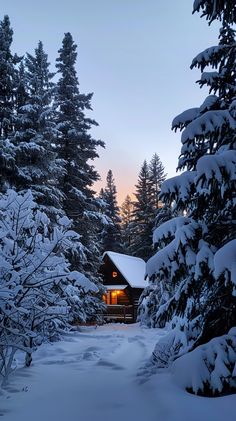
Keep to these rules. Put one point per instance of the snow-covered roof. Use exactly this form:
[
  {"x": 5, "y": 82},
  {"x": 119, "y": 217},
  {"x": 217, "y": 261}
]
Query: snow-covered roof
[
  {"x": 114, "y": 287},
  {"x": 132, "y": 268}
]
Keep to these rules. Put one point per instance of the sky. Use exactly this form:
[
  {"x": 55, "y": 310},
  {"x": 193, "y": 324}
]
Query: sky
[{"x": 135, "y": 56}]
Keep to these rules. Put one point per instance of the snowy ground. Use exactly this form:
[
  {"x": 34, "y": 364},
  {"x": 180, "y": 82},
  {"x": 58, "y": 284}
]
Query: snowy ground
[{"x": 99, "y": 375}]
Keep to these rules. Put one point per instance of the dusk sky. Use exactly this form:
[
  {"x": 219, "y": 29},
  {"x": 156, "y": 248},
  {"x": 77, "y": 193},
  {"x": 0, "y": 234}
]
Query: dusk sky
[{"x": 135, "y": 56}]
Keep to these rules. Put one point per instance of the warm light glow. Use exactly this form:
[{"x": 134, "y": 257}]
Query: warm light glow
[
  {"x": 115, "y": 292},
  {"x": 114, "y": 274}
]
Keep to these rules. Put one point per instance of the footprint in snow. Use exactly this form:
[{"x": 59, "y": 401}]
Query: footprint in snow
[
  {"x": 104, "y": 363},
  {"x": 91, "y": 354}
]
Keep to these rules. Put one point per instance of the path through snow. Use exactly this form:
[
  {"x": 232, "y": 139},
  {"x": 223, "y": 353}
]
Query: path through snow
[{"x": 98, "y": 375}]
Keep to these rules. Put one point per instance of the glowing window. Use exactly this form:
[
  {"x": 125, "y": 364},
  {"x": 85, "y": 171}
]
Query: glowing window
[{"x": 114, "y": 274}]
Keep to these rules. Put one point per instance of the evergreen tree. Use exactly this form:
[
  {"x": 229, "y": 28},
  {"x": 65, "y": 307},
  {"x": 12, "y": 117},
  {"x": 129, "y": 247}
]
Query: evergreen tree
[
  {"x": 8, "y": 73},
  {"x": 126, "y": 214},
  {"x": 77, "y": 148},
  {"x": 197, "y": 251},
  {"x": 110, "y": 196},
  {"x": 21, "y": 94},
  {"x": 145, "y": 207},
  {"x": 143, "y": 216},
  {"x": 112, "y": 230},
  {"x": 157, "y": 176},
  {"x": 7, "y": 92},
  {"x": 35, "y": 133}
]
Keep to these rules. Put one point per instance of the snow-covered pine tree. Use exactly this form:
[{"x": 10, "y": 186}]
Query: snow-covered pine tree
[
  {"x": 145, "y": 207},
  {"x": 157, "y": 176},
  {"x": 156, "y": 293},
  {"x": 198, "y": 251},
  {"x": 77, "y": 148},
  {"x": 21, "y": 94},
  {"x": 111, "y": 236},
  {"x": 35, "y": 133},
  {"x": 8, "y": 73},
  {"x": 7, "y": 87},
  {"x": 143, "y": 216},
  {"x": 126, "y": 214}
]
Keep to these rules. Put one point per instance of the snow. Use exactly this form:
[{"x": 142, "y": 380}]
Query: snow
[
  {"x": 83, "y": 281},
  {"x": 209, "y": 102},
  {"x": 215, "y": 166},
  {"x": 204, "y": 255},
  {"x": 184, "y": 118},
  {"x": 102, "y": 374},
  {"x": 211, "y": 363},
  {"x": 182, "y": 229},
  {"x": 132, "y": 268},
  {"x": 206, "y": 56},
  {"x": 225, "y": 260},
  {"x": 114, "y": 287},
  {"x": 179, "y": 185},
  {"x": 161, "y": 260},
  {"x": 169, "y": 228},
  {"x": 208, "y": 123}
]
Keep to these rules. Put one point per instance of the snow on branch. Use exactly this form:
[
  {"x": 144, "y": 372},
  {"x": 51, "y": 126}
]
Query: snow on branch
[
  {"x": 209, "y": 56},
  {"x": 82, "y": 281},
  {"x": 178, "y": 188},
  {"x": 209, "y": 123},
  {"x": 169, "y": 228},
  {"x": 211, "y": 101},
  {"x": 216, "y": 9},
  {"x": 39, "y": 295},
  {"x": 210, "y": 369},
  {"x": 220, "y": 167},
  {"x": 225, "y": 262},
  {"x": 183, "y": 119}
]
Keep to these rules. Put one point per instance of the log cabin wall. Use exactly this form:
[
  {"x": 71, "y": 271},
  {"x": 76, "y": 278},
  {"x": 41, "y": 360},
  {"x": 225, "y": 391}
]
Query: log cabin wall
[
  {"x": 123, "y": 298},
  {"x": 136, "y": 292}
]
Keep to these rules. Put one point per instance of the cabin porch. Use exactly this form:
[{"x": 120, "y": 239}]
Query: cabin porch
[
  {"x": 120, "y": 313},
  {"x": 119, "y": 304}
]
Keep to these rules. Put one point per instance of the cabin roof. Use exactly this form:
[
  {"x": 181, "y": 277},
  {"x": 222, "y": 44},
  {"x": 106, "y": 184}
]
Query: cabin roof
[
  {"x": 132, "y": 268},
  {"x": 114, "y": 287}
]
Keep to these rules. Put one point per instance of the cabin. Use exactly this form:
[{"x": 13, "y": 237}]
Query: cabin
[{"x": 124, "y": 279}]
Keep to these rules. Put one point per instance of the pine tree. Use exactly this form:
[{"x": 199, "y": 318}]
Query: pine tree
[
  {"x": 77, "y": 148},
  {"x": 112, "y": 231},
  {"x": 8, "y": 73},
  {"x": 126, "y": 214},
  {"x": 145, "y": 207},
  {"x": 21, "y": 94},
  {"x": 197, "y": 251},
  {"x": 35, "y": 133},
  {"x": 143, "y": 216},
  {"x": 157, "y": 176},
  {"x": 7, "y": 92}
]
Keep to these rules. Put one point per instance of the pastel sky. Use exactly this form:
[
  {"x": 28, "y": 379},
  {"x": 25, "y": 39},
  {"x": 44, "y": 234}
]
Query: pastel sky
[{"x": 135, "y": 56}]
